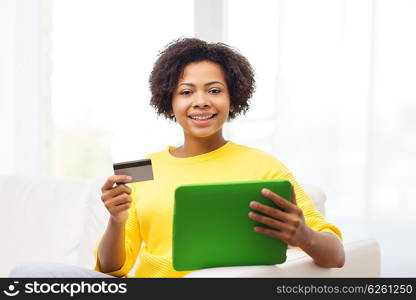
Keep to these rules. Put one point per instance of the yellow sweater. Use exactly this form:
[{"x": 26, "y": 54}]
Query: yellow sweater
[{"x": 150, "y": 216}]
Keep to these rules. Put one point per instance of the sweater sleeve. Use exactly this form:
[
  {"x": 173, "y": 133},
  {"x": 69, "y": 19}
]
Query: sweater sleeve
[
  {"x": 277, "y": 170},
  {"x": 312, "y": 217},
  {"x": 133, "y": 240}
]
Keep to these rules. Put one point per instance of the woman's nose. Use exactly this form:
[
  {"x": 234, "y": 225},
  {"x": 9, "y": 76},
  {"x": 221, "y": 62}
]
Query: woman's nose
[{"x": 200, "y": 100}]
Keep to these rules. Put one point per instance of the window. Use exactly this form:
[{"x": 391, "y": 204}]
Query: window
[{"x": 103, "y": 53}]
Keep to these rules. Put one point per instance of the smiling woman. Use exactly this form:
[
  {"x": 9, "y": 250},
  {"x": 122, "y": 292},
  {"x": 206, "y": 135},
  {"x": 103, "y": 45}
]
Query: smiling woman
[{"x": 201, "y": 85}]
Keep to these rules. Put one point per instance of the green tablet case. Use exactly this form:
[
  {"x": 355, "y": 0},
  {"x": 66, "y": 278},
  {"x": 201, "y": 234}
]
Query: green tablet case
[{"x": 211, "y": 227}]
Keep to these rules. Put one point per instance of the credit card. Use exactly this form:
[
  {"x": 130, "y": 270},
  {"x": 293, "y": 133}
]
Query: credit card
[{"x": 139, "y": 170}]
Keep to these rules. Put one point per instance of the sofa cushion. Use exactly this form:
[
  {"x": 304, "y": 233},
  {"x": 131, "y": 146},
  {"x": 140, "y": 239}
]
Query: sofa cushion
[
  {"x": 42, "y": 219},
  {"x": 60, "y": 219}
]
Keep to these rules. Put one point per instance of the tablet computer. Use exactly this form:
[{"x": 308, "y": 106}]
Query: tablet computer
[{"x": 211, "y": 227}]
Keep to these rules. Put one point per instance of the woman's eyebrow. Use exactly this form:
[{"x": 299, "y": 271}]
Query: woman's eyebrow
[
  {"x": 206, "y": 84},
  {"x": 214, "y": 82}
]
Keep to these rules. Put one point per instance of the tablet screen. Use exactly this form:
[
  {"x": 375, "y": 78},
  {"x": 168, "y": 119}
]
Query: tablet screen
[{"x": 211, "y": 227}]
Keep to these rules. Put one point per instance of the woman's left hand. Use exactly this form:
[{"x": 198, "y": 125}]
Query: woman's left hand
[{"x": 288, "y": 225}]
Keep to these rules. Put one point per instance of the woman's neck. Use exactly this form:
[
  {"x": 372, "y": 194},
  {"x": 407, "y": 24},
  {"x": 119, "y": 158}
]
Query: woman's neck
[{"x": 197, "y": 146}]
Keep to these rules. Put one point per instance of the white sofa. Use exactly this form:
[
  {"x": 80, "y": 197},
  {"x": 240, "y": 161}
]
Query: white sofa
[{"x": 60, "y": 220}]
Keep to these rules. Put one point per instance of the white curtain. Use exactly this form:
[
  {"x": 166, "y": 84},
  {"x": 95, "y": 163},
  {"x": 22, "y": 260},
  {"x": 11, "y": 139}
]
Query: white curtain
[
  {"x": 25, "y": 119},
  {"x": 102, "y": 64},
  {"x": 336, "y": 103},
  {"x": 336, "y": 100}
]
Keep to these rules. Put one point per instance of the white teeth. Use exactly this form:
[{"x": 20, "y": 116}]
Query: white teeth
[{"x": 201, "y": 118}]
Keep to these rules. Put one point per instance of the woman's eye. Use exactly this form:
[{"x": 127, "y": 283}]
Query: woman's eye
[
  {"x": 185, "y": 92},
  {"x": 215, "y": 91}
]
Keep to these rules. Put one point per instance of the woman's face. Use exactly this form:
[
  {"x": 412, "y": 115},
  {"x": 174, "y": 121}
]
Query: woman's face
[{"x": 201, "y": 101}]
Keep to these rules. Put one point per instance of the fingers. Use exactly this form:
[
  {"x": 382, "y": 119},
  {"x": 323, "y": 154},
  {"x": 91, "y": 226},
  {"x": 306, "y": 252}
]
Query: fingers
[
  {"x": 268, "y": 210},
  {"x": 119, "y": 208},
  {"x": 118, "y": 190},
  {"x": 281, "y": 224},
  {"x": 114, "y": 179},
  {"x": 116, "y": 196},
  {"x": 274, "y": 217},
  {"x": 117, "y": 199},
  {"x": 120, "y": 199},
  {"x": 279, "y": 201},
  {"x": 119, "y": 203},
  {"x": 273, "y": 223},
  {"x": 270, "y": 232}
]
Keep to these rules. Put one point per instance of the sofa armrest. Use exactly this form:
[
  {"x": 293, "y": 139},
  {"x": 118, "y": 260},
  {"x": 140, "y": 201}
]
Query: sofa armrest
[{"x": 362, "y": 260}]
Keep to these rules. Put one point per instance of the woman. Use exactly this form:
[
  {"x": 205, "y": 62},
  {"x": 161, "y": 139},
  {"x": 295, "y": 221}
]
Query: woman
[{"x": 201, "y": 86}]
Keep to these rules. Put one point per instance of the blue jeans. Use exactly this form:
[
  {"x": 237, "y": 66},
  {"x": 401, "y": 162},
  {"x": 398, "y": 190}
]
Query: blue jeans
[{"x": 53, "y": 270}]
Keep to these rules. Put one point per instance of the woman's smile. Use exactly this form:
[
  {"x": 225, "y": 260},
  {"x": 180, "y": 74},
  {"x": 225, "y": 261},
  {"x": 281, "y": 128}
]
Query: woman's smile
[{"x": 202, "y": 120}]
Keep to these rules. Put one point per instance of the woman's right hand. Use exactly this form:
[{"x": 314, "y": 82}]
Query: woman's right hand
[{"x": 116, "y": 198}]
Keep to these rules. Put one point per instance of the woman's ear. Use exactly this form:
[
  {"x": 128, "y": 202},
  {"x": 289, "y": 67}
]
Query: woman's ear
[
  {"x": 173, "y": 115},
  {"x": 231, "y": 108}
]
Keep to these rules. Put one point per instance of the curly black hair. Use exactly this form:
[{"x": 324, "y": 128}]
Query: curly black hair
[{"x": 239, "y": 74}]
